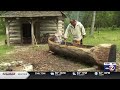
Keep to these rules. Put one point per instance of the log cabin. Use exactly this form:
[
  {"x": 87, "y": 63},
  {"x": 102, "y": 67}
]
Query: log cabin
[{"x": 29, "y": 27}]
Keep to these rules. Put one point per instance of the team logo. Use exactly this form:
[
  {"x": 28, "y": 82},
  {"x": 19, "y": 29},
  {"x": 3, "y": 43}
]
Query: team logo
[{"x": 109, "y": 66}]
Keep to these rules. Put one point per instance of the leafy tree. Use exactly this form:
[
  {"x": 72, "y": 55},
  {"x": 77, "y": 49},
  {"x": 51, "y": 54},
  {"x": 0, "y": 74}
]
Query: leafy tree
[
  {"x": 2, "y": 24},
  {"x": 117, "y": 18}
]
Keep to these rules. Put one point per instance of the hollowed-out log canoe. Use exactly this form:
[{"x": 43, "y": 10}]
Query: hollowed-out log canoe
[{"x": 88, "y": 54}]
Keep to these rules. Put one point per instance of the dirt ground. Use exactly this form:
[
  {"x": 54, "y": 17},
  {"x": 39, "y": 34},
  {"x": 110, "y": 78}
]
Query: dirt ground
[{"x": 43, "y": 60}]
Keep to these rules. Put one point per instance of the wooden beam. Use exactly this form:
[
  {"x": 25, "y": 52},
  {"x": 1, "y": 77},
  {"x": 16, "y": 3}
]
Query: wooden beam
[
  {"x": 32, "y": 32},
  {"x": 60, "y": 25},
  {"x": 43, "y": 32},
  {"x": 7, "y": 33},
  {"x": 57, "y": 24}
]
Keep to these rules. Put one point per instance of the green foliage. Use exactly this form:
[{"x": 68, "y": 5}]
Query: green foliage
[
  {"x": 116, "y": 18},
  {"x": 78, "y": 15},
  {"x": 66, "y": 22},
  {"x": 2, "y": 24},
  {"x": 87, "y": 19},
  {"x": 103, "y": 18}
]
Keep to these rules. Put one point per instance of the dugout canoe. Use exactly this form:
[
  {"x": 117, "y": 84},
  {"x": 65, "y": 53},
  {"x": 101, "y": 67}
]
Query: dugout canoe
[{"x": 96, "y": 55}]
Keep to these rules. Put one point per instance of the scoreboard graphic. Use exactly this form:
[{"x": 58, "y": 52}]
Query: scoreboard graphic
[{"x": 109, "y": 67}]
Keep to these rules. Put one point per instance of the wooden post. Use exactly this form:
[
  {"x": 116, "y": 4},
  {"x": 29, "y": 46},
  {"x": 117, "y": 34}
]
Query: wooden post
[
  {"x": 21, "y": 35},
  {"x": 60, "y": 25},
  {"x": 7, "y": 33},
  {"x": 32, "y": 31}
]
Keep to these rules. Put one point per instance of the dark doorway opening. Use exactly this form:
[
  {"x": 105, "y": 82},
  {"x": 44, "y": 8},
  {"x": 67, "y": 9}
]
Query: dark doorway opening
[{"x": 26, "y": 33}]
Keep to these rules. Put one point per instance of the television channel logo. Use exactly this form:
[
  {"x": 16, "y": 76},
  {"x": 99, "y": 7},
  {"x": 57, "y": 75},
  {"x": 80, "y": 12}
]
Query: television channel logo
[{"x": 109, "y": 67}]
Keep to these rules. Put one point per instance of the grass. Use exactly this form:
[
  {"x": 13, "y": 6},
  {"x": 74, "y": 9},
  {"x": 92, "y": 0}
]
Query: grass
[
  {"x": 104, "y": 36},
  {"x": 2, "y": 37},
  {"x": 4, "y": 49}
]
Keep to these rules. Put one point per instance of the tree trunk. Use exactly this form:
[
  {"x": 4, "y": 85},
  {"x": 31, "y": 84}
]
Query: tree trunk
[
  {"x": 95, "y": 55},
  {"x": 7, "y": 33},
  {"x": 32, "y": 32},
  {"x": 93, "y": 24}
]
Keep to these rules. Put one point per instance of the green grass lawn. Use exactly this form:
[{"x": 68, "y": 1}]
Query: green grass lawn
[
  {"x": 4, "y": 48},
  {"x": 104, "y": 36},
  {"x": 2, "y": 37}
]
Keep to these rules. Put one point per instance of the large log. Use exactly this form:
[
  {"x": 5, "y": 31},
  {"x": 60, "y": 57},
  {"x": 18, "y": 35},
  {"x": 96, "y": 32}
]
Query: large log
[
  {"x": 44, "y": 32},
  {"x": 15, "y": 42},
  {"x": 12, "y": 39},
  {"x": 95, "y": 55},
  {"x": 47, "y": 25},
  {"x": 47, "y": 21},
  {"x": 15, "y": 35},
  {"x": 15, "y": 28},
  {"x": 47, "y": 28}
]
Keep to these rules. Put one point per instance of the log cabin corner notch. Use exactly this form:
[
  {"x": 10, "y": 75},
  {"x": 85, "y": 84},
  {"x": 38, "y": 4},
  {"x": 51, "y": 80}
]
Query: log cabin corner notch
[{"x": 23, "y": 27}]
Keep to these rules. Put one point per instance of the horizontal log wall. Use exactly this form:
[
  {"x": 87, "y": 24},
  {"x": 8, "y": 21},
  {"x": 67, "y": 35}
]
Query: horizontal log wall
[
  {"x": 50, "y": 26},
  {"x": 15, "y": 32},
  {"x": 42, "y": 26},
  {"x": 47, "y": 26}
]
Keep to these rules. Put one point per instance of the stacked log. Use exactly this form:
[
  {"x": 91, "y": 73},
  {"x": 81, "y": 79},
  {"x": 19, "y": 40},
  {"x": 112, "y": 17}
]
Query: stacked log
[{"x": 15, "y": 32}]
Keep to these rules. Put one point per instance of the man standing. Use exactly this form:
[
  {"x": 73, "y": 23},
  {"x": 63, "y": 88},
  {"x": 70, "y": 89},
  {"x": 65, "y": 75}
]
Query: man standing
[{"x": 77, "y": 30}]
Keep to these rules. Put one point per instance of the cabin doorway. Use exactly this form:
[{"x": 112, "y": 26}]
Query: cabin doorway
[{"x": 26, "y": 33}]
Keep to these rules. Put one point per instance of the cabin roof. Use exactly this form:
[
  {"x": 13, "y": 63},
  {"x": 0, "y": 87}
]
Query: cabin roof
[{"x": 10, "y": 14}]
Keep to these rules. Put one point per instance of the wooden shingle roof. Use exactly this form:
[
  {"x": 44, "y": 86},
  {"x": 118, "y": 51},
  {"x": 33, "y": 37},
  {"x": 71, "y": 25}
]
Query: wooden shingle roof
[{"x": 31, "y": 13}]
